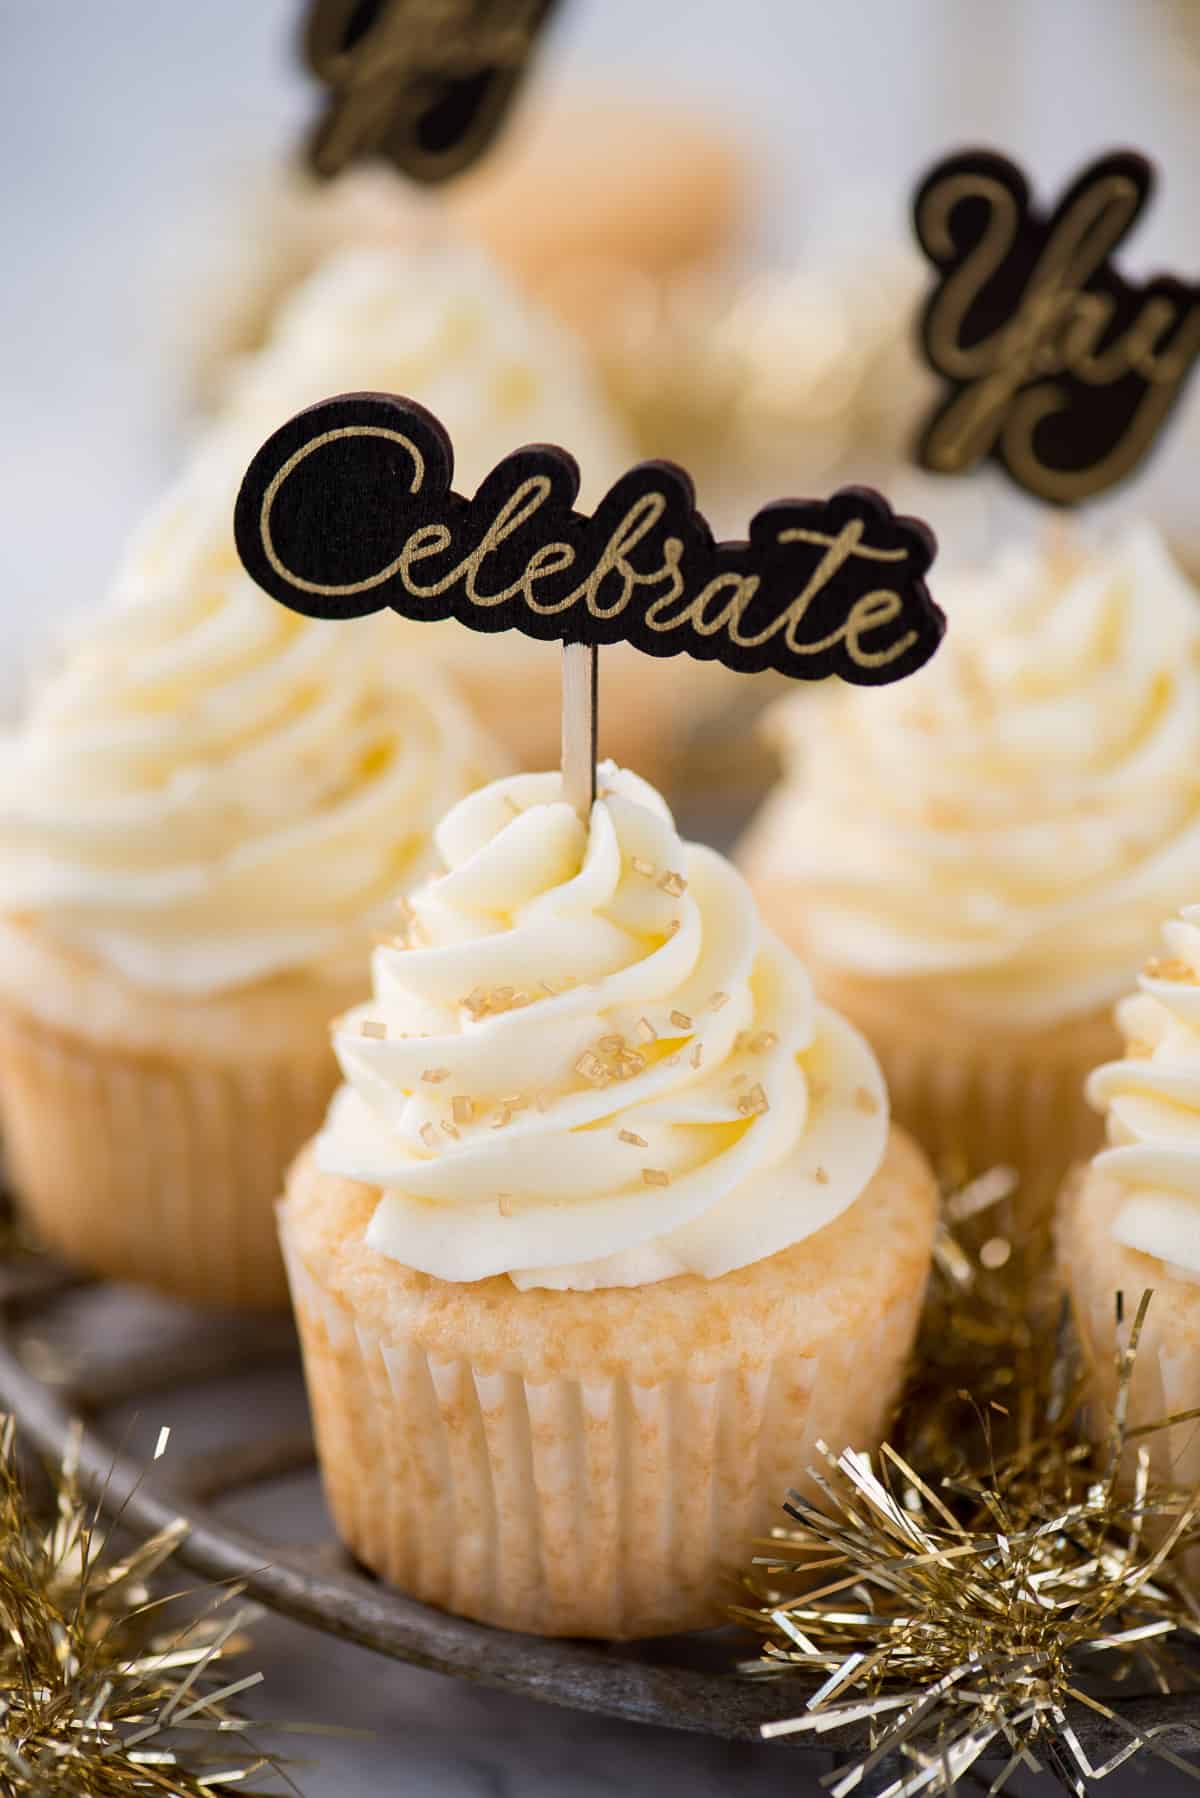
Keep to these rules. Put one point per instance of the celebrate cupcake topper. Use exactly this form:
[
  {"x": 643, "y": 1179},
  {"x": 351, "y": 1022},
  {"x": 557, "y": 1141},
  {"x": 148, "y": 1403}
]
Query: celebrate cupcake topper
[
  {"x": 348, "y": 508},
  {"x": 424, "y": 83},
  {"x": 1059, "y": 368}
]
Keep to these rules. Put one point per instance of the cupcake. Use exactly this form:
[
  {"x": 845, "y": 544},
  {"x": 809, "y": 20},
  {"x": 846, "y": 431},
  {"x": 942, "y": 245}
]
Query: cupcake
[
  {"x": 444, "y": 327},
  {"x": 1130, "y": 1221},
  {"x": 605, "y": 1230},
  {"x": 209, "y": 806},
  {"x": 972, "y": 860}
]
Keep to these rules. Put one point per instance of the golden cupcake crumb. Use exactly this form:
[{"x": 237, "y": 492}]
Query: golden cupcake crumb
[
  {"x": 632, "y": 1137},
  {"x": 655, "y": 1176},
  {"x": 681, "y": 1020}
]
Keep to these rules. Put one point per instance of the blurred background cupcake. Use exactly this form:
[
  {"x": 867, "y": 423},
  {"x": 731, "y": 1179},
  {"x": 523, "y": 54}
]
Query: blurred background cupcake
[
  {"x": 206, "y": 812},
  {"x": 972, "y": 859}
]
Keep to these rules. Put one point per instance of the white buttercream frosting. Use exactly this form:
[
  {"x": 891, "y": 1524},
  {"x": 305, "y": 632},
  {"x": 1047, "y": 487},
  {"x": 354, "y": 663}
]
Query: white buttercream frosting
[
  {"x": 210, "y": 789},
  {"x": 1010, "y": 821},
  {"x": 1152, "y": 1101},
  {"x": 592, "y": 1066}
]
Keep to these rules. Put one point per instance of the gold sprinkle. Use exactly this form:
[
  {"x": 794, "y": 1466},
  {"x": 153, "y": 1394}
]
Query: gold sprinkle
[
  {"x": 646, "y": 1031},
  {"x": 448, "y": 1127},
  {"x": 630, "y": 1063},
  {"x": 672, "y": 883},
  {"x": 641, "y": 866},
  {"x": 1168, "y": 968},
  {"x": 866, "y": 1102},
  {"x": 717, "y": 1001},
  {"x": 590, "y": 1067},
  {"x": 435, "y": 1076},
  {"x": 654, "y": 1176},
  {"x": 429, "y": 1136},
  {"x": 631, "y": 1136},
  {"x": 765, "y": 1040},
  {"x": 475, "y": 1002},
  {"x": 740, "y": 1041},
  {"x": 753, "y": 1103},
  {"x": 503, "y": 1117},
  {"x": 739, "y": 1080},
  {"x": 673, "y": 928},
  {"x": 611, "y": 1045},
  {"x": 504, "y": 1204},
  {"x": 462, "y": 1108},
  {"x": 673, "y": 1061},
  {"x": 514, "y": 1102},
  {"x": 821, "y": 1177},
  {"x": 697, "y": 1055},
  {"x": 681, "y": 1020},
  {"x": 373, "y": 1028}
]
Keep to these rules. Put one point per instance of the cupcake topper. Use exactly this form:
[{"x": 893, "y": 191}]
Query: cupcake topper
[
  {"x": 424, "y": 83},
  {"x": 348, "y": 508},
  {"x": 1057, "y": 367}
]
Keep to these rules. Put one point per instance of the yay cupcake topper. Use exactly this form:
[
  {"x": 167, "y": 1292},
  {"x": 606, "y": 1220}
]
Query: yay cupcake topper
[
  {"x": 348, "y": 508},
  {"x": 424, "y": 83},
  {"x": 1058, "y": 367}
]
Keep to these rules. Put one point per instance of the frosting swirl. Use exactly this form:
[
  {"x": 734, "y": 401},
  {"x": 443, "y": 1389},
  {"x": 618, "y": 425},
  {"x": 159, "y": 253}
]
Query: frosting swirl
[
  {"x": 1152, "y": 1101},
  {"x": 211, "y": 790},
  {"x": 1005, "y": 822},
  {"x": 592, "y": 1066}
]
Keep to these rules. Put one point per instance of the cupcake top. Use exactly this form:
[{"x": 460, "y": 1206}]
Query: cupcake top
[
  {"x": 211, "y": 790},
  {"x": 586, "y": 1063},
  {"x": 441, "y": 325},
  {"x": 1152, "y": 1101},
  {"x": 1005, "y": 823}
]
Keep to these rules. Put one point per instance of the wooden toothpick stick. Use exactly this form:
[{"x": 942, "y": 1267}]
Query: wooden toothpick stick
[{"x": 579, "y": 693}]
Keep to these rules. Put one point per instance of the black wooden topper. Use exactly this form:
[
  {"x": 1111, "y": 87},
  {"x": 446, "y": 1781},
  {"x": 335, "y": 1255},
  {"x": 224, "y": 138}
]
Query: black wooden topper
[
  {"x": 1058, "y": 367},
  {"x": 424, "y": 83},
  {"x": 348, "y": 508}
]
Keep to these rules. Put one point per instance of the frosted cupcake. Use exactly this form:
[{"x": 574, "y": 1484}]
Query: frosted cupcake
[
  {"x": 445, "y": 328},
  {"x": 972, "y": 860},
  {"x": 604, "y": 1231},
  {"x": 1131, "y": 1221},
  {"x": 205, "y": 813}
]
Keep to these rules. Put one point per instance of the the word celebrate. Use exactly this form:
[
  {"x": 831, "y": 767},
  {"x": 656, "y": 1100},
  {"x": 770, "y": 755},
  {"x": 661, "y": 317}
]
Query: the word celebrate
[{"x": 348, "y": 508}]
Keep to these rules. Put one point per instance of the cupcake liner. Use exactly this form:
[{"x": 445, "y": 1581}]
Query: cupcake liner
[
  {"x": 1166, "y": 1372},
  {"x": 154, "y": 1170},
  {"x": 599, "y": 1502},
  {"x": 975, "y": 1106}
]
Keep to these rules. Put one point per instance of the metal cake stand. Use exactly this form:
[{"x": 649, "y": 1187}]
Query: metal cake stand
[{"x": 125, "y": 1365}]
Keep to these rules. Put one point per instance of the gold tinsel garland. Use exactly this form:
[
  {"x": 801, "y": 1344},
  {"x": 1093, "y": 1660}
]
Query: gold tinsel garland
[
  {"x": 99, "y": 1696},
  {"x": 951, "y": 1594}
]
